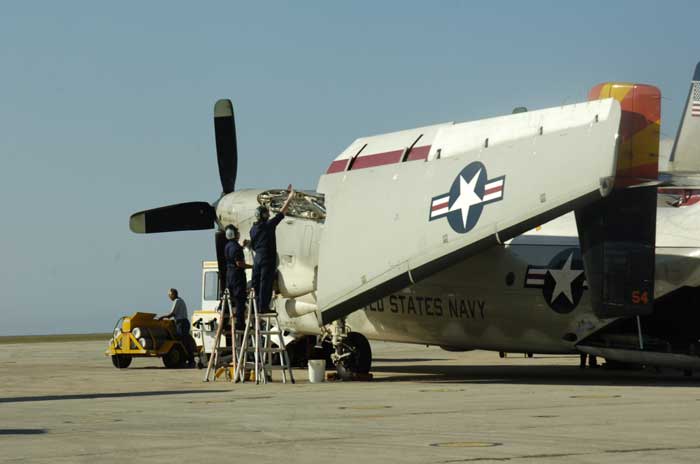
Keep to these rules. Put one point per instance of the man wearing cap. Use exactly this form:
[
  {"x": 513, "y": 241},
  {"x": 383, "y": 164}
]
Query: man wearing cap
[
  {"x": 264, "y": 244},
  {"x": 235, "y": 273}
]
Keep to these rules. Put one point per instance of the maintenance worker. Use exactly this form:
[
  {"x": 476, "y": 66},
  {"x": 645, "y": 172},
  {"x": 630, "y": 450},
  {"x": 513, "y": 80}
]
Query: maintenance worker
[
  {"x": 264, "y": 244},
  {"x": 235, "y": 273},
  {"x": 182, "y": 324}
]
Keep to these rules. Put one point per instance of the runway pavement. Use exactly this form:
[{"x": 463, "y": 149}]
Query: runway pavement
[{"x": 66, "y": 403}]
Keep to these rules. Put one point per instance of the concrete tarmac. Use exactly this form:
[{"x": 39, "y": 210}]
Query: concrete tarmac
[{"x": 65, "y": 403}]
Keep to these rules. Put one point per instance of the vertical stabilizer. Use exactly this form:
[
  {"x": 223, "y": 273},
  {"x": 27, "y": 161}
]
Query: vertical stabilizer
[{"x": 685, "y": 155}]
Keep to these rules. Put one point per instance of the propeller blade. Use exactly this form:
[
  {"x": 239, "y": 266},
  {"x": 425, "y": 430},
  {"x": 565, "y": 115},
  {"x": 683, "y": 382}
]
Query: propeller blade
[
  {"x": 196, "y": 215},
  {"x": 226, "y": 149},
  {"x": 220, "y": 244}
]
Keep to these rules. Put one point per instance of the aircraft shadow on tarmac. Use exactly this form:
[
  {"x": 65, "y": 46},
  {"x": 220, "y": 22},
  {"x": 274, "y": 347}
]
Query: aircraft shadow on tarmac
[
  {"x": 93, "y": 396},
  {"x": 23, "y": 431},
  {"x": 534, "y": 375},
  {"x": 408, "y": 360}
]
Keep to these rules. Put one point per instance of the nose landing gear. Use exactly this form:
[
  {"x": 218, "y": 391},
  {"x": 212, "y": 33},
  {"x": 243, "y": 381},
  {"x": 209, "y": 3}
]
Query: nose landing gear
[{"x": 352, "y": 352}]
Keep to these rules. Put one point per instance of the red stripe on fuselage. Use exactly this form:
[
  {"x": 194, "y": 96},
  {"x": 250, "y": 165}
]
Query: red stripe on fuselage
[{"x": 493, "y": 190}]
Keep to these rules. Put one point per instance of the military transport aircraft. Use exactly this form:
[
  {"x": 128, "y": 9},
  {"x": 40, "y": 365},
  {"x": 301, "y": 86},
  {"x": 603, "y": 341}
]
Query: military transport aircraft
[{"x": 548, "y": 231}]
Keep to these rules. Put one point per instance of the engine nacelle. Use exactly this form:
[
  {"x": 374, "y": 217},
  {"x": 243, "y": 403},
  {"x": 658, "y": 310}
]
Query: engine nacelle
[{"x": 298, "y": 235}]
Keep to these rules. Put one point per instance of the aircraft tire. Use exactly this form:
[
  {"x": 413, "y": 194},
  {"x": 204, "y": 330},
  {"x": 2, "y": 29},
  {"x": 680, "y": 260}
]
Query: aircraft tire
[
  {"x": 121, "y": 361},
  {"x": 361, "y": 361}
]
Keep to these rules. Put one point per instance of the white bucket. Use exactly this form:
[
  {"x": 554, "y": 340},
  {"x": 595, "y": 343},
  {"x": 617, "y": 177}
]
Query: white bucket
[{"x": 317, "y": 370}]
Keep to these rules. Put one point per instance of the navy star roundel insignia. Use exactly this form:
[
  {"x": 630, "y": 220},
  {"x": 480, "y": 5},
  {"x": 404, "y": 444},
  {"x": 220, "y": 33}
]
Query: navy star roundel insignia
[
  {"x": 470, "y": 192},
  {"x": 562, "y": 281}
]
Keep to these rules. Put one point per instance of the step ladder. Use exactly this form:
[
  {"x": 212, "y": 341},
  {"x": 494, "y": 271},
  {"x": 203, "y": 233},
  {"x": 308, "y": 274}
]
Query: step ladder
[
  {"x": 216, "y": 362},
  {"x": 259, "y": 332}
]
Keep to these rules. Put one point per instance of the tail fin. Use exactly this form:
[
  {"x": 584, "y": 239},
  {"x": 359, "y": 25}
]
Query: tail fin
[{"x": 685, "y": 155}]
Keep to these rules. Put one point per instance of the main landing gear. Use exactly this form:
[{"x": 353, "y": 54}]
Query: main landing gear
[{"x": 352, "y": 353}]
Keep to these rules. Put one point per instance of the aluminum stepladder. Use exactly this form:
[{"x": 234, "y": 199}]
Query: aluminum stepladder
[
  {"x": 224, "y": 308},
  {"x": 258, "y": 326}
]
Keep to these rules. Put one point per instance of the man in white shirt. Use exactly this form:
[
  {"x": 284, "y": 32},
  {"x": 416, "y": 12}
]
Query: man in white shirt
[{"x": 182, "y": 323}]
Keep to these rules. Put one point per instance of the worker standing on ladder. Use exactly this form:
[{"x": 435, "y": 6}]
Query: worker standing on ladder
[
  {"x": 235, "y": 273},
  {"x": 264, "y": 243}
]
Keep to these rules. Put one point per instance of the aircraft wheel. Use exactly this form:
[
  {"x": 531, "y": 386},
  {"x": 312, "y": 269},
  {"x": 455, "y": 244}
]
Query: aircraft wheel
[
  {"x": 360, "y": 359},
  {"x": 175, "y": 357},
  {"x": 121, "y": 361}
]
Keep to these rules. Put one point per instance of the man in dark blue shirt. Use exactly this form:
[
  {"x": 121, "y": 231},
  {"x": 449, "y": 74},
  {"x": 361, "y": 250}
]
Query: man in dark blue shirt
[
  {"x": 264, "y": 243},
  {"x": 235, "y": 273}
]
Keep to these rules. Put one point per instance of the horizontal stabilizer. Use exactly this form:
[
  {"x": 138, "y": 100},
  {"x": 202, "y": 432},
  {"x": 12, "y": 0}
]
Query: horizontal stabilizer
[
  {"x": 481, "y": 183},
  {"x": 686, "y": 180},
  {"x": 196, "y": 215}
]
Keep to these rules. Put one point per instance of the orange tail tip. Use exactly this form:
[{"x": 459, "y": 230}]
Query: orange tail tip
[{"x": 638, "y": 149}]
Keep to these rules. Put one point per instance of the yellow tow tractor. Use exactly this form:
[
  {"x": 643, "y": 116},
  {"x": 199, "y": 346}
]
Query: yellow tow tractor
[{"x": 142, "y": 335}]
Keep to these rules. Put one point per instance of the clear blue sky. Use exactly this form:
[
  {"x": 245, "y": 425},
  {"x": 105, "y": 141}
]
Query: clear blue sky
[{"x": 105, "y": 109}]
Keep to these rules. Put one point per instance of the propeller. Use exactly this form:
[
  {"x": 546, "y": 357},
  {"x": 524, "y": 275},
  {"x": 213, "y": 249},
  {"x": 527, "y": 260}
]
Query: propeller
[
  {"x": 226, "y": 149},
  {"x": 197, "y": 215},
  {"x": 200, "y": 215}
]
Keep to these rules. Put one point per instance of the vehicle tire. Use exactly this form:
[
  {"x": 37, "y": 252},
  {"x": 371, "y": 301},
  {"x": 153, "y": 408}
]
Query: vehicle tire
[
  {"x": 121, "y": 361},
  {"x": 175, "y": 358},
  {"x": 361, "y": 360}
]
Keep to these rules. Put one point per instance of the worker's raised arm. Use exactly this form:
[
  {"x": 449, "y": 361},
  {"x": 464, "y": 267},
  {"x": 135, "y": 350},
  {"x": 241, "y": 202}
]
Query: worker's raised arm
[{"x": 283, "y": 210}]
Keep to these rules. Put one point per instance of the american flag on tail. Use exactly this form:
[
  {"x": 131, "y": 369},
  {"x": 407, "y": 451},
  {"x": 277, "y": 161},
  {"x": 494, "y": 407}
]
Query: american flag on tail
[{"x": 695, "y": 100}]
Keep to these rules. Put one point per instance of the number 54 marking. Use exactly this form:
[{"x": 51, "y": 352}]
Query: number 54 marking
[{"x": 640, "y": 297}]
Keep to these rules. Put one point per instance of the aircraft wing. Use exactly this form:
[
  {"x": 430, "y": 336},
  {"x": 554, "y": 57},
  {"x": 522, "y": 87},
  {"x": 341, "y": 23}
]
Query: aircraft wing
[{"x": 404, "y": 206}]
